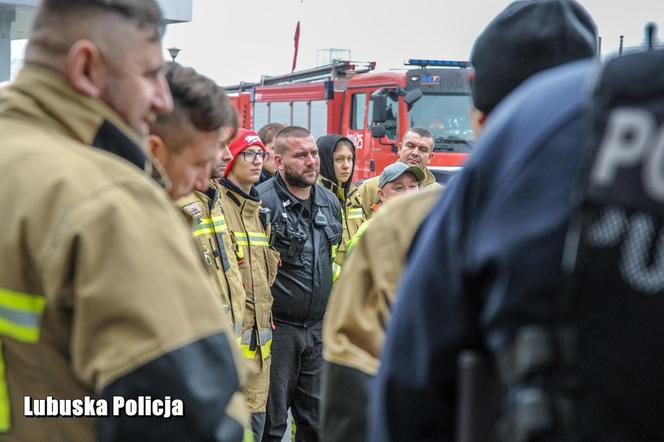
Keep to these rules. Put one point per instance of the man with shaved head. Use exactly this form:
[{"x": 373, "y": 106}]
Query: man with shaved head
[{"x": 105, "y": 309}]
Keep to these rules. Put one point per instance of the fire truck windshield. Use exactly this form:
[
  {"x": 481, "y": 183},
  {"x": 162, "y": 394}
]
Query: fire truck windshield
[{"x": 448, "y": 119}]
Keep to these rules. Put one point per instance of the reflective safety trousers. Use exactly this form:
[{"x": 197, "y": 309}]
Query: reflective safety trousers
[{"x": 214, "y": 242}]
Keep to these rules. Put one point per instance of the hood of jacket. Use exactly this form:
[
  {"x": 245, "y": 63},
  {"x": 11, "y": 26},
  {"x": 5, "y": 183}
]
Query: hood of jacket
[{"x": 327, "y": 145}]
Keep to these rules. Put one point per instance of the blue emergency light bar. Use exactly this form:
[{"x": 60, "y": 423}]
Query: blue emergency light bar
[{"x": 443, "y": 63}]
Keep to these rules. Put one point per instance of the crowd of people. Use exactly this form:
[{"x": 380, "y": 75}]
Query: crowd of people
[{"x": 152, "y": 248}]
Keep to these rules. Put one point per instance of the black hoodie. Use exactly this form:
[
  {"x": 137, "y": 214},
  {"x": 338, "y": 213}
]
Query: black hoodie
[{"x": 327, "y": 144}]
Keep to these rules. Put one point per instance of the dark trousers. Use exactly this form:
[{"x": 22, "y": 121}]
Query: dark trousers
[
  {"x": 257, "y": 425},
  {"x": 297, "y": 359}
]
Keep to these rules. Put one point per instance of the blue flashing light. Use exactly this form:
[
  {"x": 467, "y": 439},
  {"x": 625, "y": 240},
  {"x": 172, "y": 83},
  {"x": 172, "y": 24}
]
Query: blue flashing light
[{"x": 443, "y": 63}]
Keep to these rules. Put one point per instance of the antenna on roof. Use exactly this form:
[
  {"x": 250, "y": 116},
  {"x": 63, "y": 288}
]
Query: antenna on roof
[
  {"x": 620, "y": 49},
  {"x": 651, "y": 32}
]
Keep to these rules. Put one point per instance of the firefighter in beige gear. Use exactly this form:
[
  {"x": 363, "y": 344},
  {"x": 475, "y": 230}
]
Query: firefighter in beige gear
[
  {"x": 337, "y": 164},
  {"x": 215, "y": 245},
  {"x": 190, "y": 146},
  {"x": 103, "y": 300},
  {"x": 250, "y": 227},
  {"x": 355, "y": 325},
  {"x": 415, "y": 149}
]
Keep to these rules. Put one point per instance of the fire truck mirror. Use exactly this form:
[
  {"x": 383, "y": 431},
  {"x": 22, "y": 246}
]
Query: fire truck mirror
[
  {"x": 412, "y": 96},
  {"x": 379, "y": 109},
  {"x": 378, "y": 131}
]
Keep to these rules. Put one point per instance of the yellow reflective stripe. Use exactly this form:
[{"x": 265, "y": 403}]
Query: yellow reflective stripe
[
  {"x": 350, "y": 245},
  {"x": 266, "y": 348},
  {"x": 22, "y": 301},
  {"x": 209, "y": 225},
  {"x": 251, "y": 239},
  {"x": 19, "y": 332},
  {"x": 355, "y": 213},
  {"x": 20, "y": 315},
  {"x": 245, "y": 342},
  {"x": 336, "y": 271},
  {"x": 5, "y": 414},
  {"x": 216, "y": 220},
  {"x": 246, "y": 352},
  {"x": 199, "y": 232},
  {"x": 248, "y": 435},
  {"x": 20, "y": 318}
]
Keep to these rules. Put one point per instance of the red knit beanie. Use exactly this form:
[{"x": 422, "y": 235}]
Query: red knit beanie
[{"x": 245, "y": 138}]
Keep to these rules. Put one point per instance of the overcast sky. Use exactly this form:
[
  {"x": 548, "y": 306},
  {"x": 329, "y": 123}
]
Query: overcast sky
[{"x": 232, "y": 40}]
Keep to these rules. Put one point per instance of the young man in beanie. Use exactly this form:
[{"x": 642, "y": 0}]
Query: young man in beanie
[
  {"x": 249, "y": 225},
  {"x": 353, "y": 344}
]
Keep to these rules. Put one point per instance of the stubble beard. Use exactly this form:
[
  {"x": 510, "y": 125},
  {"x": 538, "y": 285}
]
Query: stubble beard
[{"x": 297, "y": 180}]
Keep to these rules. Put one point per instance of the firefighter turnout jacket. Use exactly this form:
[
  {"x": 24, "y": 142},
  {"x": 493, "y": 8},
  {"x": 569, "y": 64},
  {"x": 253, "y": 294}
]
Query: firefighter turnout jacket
[
  {"x": 217, "y": 250},
  {"x": 368, "y": 191},
  {"x": 102, "y": 295},
  {"x": 352, "y": 217},
  {"x": 359, "y": 310},
  {"x": 258, "y": 264}
]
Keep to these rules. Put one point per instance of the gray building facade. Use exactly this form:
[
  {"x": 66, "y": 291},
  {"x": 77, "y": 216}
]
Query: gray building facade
[{"x": 16, "y": 16}]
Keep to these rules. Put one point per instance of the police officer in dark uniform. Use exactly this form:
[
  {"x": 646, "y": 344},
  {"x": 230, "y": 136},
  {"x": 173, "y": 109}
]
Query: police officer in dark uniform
[
  {"x": 577, "y": 345},
  {"x": 306, "y": 226}
]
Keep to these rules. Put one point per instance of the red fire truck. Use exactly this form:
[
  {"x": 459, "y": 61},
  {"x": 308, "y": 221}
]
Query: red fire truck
[{"x": 373, "y": 109}]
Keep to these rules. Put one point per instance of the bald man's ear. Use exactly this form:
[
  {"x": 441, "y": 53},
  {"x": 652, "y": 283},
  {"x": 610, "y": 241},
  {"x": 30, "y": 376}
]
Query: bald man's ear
[
  {"x": 278, "y": 161},
  {"x": 86, "y": 70}
]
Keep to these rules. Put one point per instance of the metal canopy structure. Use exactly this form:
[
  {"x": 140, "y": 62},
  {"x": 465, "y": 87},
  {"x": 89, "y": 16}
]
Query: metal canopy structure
[{"x": 16, "y": 16}]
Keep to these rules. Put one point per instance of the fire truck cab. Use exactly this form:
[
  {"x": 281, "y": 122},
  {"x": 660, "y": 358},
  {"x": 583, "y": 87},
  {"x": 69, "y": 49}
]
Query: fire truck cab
[{"x": 372, "y": 109}]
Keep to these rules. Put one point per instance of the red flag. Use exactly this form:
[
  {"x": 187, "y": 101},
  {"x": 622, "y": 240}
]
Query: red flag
[{"x": 297, "y": 45}]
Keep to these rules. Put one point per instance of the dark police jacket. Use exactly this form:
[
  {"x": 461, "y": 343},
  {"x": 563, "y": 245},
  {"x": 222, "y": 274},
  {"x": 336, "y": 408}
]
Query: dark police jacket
[
  {"x": 304, "y": 233},
  {"x": 490, "y": 258}
]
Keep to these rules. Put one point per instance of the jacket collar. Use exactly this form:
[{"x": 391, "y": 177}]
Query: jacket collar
[
  {"x": 252, "y": 196},
  {"x": 46, "y": 96},
  {"x": 284, "y": 193},
  {"x": 429, "y": 178}
]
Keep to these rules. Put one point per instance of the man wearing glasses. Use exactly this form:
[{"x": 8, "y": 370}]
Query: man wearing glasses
[{"x": 249, "y": 224}]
